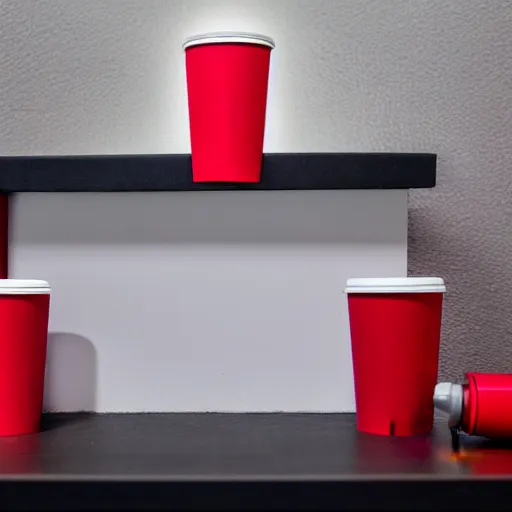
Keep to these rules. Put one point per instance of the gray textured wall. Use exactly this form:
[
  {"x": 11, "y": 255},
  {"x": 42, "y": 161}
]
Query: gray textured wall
[{"x": 462, "y": 229}]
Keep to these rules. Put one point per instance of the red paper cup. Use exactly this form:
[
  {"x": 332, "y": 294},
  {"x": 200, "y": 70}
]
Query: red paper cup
[
  {"x": 227, "y": 82},
  {"x": 395, "y": 326},
  {"x": 24, "y": 308}
]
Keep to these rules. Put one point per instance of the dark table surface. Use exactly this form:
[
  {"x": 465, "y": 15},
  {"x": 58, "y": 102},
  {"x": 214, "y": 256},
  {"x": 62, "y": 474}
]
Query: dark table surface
[{"x": 271, "y": 460}]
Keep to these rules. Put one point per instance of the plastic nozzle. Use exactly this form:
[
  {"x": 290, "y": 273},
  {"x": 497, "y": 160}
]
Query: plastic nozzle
[{"x": 449, "y": 398}]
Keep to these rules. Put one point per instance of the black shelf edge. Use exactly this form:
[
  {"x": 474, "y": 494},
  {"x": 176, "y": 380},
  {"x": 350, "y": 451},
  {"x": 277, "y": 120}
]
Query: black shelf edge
[
  {"x": 264, "y": 461},
  {"x": 152, "y": 173}
]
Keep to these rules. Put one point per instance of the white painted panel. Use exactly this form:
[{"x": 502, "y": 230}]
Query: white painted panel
[{"x": 204, "y": 301}]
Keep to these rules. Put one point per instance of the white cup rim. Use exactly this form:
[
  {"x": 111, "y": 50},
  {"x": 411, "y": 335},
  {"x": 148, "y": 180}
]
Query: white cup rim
[
  {"x": 229, "y": 37},
  {"x": 24, "y": 287},
  {"x": 395, "y": 285}
]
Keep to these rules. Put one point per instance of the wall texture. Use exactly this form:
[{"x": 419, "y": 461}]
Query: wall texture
[{"x": 359, "y": 75}]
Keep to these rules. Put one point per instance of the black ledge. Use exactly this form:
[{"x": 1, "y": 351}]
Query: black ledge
[
  {"x": 280, "y": 171},
  {"x": 245, "y": 462}
]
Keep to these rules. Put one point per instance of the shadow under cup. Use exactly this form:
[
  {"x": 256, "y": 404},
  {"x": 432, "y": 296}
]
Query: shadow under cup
[
  {"x": 24, "y": 311},
  {"x": 395, "y": 327}
]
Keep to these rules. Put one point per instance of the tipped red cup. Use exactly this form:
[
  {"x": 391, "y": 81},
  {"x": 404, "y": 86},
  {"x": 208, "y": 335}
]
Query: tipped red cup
[
  {"x": 395, "y": 326},
  {"x": 227, "y": 83}
]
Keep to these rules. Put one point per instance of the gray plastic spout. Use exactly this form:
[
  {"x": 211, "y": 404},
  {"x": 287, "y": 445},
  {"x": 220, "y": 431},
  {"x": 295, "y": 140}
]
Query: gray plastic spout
[{"x": 449, "y": 398}]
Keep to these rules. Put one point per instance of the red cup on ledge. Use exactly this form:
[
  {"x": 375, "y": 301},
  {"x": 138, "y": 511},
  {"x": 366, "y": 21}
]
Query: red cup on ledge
[
  {"x": 227, "y": 83},
  {"x": 395, "y": 327},
  {"x": 24, "y": 309}
]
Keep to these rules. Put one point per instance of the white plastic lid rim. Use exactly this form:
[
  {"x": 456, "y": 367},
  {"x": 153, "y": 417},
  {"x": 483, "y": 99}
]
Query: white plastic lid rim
[
  {"x": 229, "y": 37},
  {"x": 395, "y": 285},
  {"x": 23, "y": 287}
]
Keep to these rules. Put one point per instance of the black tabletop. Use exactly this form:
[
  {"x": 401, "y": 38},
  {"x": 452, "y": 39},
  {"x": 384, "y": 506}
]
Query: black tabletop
[{"x": 272, "y": 461}]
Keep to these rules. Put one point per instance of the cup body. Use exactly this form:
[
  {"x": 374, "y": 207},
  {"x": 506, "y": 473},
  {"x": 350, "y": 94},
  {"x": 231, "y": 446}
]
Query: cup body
[
  {"x": 24, "y": 311},
  {"x": 227, "y": 83},
  {"x": 395, "y": 335}
]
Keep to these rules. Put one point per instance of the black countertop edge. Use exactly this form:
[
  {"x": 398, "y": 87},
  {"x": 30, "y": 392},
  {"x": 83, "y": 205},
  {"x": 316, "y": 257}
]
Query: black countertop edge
[
  {"x": 161, "y": 172},
  {"x": 410, "y": 494}
]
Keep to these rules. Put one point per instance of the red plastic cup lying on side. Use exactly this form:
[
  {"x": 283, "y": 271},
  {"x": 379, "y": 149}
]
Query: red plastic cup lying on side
[
  {"x": 24, "y": 310},
  {"x": 480, "y": 407},
  {"x": 227, "y": 83},
  {"x": 395, "y": 326}
]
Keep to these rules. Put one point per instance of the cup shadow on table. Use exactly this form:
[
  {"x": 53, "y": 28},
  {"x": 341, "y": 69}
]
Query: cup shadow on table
[
  {"x": 70, "y": 380},
  {"x": 385, "y": 454}
]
